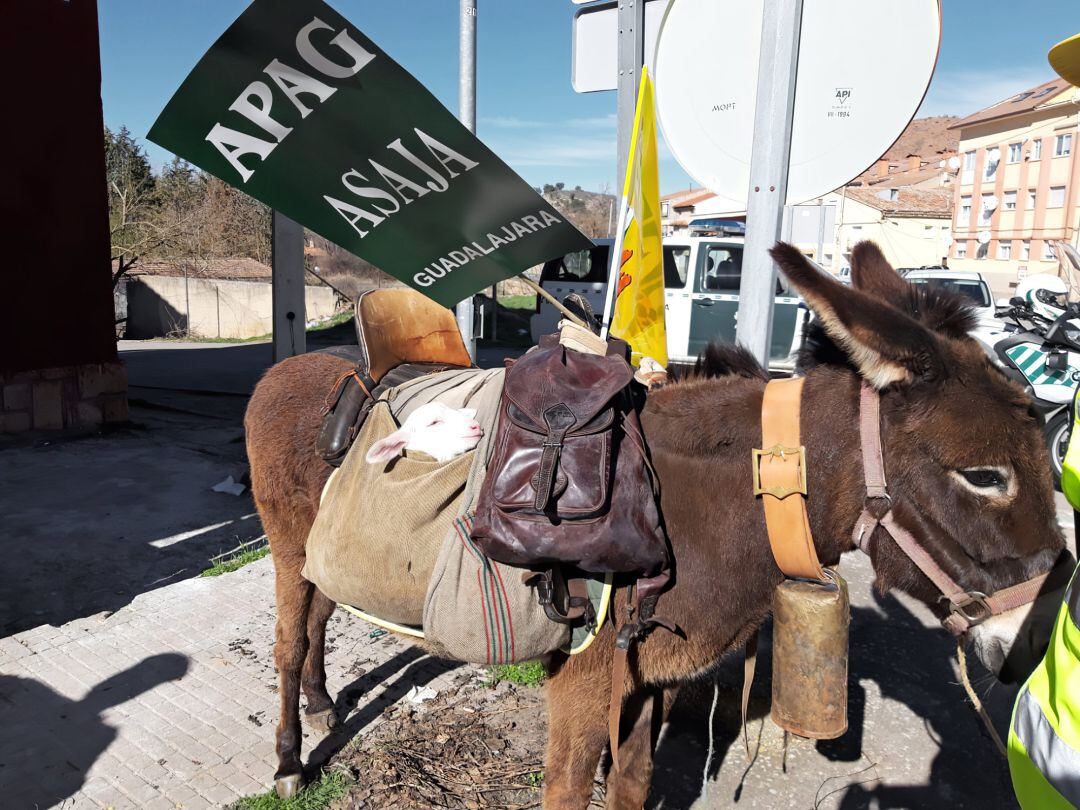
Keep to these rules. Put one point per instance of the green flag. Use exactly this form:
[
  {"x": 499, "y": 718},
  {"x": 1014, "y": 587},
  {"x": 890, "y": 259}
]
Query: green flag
[{"x": 296, "y": 107}]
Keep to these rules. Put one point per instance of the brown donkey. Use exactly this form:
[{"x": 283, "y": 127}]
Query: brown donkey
[{"x": 968, "y": 476}]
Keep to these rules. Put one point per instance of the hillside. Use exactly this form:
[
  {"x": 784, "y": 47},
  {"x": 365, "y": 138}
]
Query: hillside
[{"x": 593, "y": 212}]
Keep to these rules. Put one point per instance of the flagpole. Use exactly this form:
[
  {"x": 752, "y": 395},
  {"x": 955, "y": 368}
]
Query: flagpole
[{"x": 616, "y": 263}]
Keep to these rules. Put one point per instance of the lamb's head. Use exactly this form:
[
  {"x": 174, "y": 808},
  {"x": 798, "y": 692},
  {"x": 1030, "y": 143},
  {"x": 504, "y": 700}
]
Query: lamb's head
[{"x": 434, "y": 428}]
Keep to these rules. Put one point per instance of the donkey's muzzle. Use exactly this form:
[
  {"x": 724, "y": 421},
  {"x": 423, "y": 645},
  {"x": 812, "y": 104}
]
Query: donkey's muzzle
[{"x": 1033, "y": 627}]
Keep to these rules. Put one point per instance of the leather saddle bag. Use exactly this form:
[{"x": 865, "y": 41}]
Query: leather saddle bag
[{"x": 569, "y": 479}]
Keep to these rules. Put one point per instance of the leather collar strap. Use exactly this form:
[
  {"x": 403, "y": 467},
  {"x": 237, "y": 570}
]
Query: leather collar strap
[
  {"x": 966, "y": 608},
  {"x": 780, "y": 480}
]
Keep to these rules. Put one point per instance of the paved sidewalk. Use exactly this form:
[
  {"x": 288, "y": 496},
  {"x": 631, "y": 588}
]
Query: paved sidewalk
[{"x": 171, "y": 701}]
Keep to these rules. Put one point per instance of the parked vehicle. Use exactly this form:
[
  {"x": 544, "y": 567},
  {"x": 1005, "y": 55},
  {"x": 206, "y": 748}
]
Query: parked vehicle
[
  {"x": 1044, "y": 357},
  {"x": 970, "y": 285},
  {"x": 701, "y": 281}
]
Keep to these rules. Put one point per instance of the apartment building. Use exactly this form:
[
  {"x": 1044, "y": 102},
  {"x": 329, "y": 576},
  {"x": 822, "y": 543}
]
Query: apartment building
[{"x": 1018, "y": 188}]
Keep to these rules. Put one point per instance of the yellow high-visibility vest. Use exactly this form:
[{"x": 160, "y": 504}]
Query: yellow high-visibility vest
[{"x": 1044, "y": 735}]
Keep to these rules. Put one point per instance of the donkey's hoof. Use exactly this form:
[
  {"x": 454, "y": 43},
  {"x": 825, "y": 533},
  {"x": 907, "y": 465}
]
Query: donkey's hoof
[
  {"x": 325, "y": 721},
  {"x": 287, "y": 786}
]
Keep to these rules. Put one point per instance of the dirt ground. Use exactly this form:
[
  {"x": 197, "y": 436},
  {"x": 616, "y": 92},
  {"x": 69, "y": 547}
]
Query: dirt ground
[{"x": 474, "y": 746}]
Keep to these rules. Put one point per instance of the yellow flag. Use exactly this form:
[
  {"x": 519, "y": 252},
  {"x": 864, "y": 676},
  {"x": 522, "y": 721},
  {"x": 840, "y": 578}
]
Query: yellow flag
[{"x": 638, "y": 316}]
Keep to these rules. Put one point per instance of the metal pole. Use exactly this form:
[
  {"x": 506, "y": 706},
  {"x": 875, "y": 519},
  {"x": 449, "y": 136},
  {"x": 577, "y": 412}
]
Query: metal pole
[
  {"x": 780, "y": 26},
  {"x": 467, "y": 114},
  {"x": 631, "y": 51},
  {"x": 820, "y": 233},
  {"x": 287, "y": 289}
]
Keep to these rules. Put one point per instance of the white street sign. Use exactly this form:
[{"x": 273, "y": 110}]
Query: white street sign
[
  {"x": 862, "y": 72},
  {"x": 595, "y": 63}
]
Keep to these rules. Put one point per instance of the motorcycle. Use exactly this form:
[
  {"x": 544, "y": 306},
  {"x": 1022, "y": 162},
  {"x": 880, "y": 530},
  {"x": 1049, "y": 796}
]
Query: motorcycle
[{"x": 1044, "y": 358}]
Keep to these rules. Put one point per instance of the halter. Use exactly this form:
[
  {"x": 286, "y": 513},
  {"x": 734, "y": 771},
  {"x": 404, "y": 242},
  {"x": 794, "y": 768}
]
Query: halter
[{"x": 966, "y": 608}]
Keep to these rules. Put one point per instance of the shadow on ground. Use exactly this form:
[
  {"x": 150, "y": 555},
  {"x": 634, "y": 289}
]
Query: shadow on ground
[
  {"x": 893, "y": 656},
  {"x": 51, "y": 741}
]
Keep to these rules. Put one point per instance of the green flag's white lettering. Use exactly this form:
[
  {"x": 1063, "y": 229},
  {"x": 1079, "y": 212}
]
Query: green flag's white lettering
[
  {"x": 259, "y": 114},
  {"x": 223, "y": 137},
  {"x": 399, "y": 183},
  {"x": 445, "y": 155},
  {"x": 437, "y": 181},
  {"x": 343, "y": 41},
  {"x": 293, "y": 84}
]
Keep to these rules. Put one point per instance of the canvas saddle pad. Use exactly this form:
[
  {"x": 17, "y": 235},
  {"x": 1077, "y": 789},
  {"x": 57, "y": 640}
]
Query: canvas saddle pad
[
  {"x": 391, "y": 542},
  {"x": 379, "y": 528}
]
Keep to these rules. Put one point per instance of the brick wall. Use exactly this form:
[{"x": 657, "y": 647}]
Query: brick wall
[{"x": 82, "y": 396}]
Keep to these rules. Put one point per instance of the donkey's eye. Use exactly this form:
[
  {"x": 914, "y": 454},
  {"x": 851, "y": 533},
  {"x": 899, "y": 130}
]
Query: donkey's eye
[{"x": 984, "y": 478}]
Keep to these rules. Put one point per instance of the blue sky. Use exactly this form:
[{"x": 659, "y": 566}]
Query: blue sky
[{"x": 526, "y": 110}]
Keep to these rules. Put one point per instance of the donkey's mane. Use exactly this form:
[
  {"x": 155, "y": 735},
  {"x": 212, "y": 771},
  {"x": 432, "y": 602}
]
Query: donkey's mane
[
  {"x": 941, "y": 311},
  {"x": 726, "y": 360}
]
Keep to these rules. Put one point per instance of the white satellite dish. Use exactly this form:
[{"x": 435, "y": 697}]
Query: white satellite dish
[
  {"x": 954, "y": 163},
  {"x": 855, "y": 93},
  {"x": 983, "y": 237},
  {"x": 990, "y": 203}
]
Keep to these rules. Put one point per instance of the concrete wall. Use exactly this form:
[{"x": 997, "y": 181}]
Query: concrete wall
[{"x": 159, "y": 306}]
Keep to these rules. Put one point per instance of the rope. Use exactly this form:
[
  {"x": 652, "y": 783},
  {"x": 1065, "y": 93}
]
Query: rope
[
  {"x": 962, "y": 658},
  {"x": 709, "y": 756}
]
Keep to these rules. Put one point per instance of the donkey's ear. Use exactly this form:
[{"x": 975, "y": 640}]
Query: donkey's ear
[
  {"x": 871, "y": 273},
  {"x": 884, "y": 344}
]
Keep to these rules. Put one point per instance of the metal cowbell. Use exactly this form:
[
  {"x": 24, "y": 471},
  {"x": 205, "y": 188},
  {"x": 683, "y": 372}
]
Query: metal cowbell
[{"x": 810, "y": 657}]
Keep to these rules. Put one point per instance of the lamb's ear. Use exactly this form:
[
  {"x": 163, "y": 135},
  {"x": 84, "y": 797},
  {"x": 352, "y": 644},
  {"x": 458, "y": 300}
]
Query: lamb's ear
[
  {"x": 387, "y": 448},
  {"x": 872, "y": 273},
  {"x": 884, "y": 344}
]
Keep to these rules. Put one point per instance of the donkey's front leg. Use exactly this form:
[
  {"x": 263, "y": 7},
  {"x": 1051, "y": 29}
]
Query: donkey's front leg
[
  {"x": 646, "y": 709},
  {"x": 577, "y": 701},
  {"x": 290, "y": 649}
]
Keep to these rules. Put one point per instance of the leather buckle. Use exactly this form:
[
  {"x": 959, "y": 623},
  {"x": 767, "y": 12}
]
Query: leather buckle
[
  {"x": 783, "y": 453},
  {"x": 972, "y": 606}
]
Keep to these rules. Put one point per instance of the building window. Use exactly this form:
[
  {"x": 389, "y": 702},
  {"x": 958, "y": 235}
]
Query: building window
[
  {"x": 982, "y": 250},
  {"x": 961, "y": 250},
  {"x": 1014, "y": 152},
  {"x": 1025, "y": 249},
  {"x": 1010, "y": 200},
  {"x": 968, "y": 174},
  {"x": 664, "y": 209},
  {"x": 928, "y": 232},
  {"x": 1036, "y": 149},
  {"x": 990, "y": 167},
  {"x": 1048, "y": 252},
  {"x": 964, "y": 217},
  {"x": 1063, "y": 145},
  {"x": 1004, "y": 250},
  {"x": 1031, "y": 199},
  {"x": 1057, "y": 197},
  {"x": 987, "y": 209}
]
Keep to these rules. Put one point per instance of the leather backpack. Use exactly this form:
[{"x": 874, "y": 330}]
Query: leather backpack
[{"x": 569, "y": 480}]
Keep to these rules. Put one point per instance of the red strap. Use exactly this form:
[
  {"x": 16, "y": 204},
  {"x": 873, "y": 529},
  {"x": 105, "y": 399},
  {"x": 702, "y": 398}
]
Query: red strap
[{"x": 870, "y": 430}]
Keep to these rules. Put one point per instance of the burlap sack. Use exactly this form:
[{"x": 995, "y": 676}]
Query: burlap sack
[
  {"x": 393, "y": 540},
  {"x": 376, "y": 546},
  {"x": 478, "y": 610}
]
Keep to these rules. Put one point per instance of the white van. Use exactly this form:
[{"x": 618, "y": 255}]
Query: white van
[{"x": 701, "y": 281}]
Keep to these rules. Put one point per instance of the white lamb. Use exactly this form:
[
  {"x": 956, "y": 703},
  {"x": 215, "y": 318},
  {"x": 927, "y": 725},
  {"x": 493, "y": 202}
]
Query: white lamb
[{"x": 434, "y": 428}]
